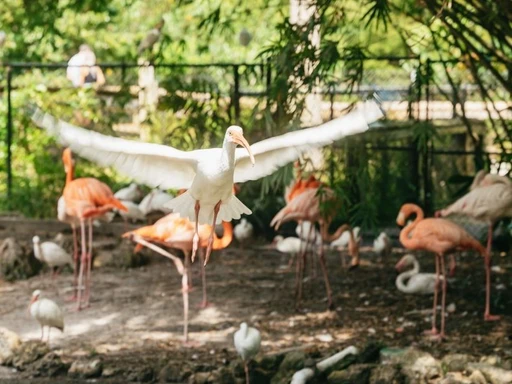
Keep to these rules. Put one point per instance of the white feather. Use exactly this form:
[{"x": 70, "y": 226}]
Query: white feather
[
  {"x": 47, "y": 313},
  {"x": 243, "y": 231},
  {"x": 130, "y": 193},
  {"x": 208, "y": 174},
  {"x": 342, "y": 241},
  {"x": 51, "y": 253},
  {"x": 303, "y": 231},
  {"x": 155, "y": 201},
  {"x": 417, "y": 283},
  {"x": 134, "y": 212},
  {"x": 247, "y": 342}
]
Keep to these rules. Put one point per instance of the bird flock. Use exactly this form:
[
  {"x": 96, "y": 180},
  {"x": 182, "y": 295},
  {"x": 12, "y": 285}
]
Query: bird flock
[{"x": 207, "y": 180}]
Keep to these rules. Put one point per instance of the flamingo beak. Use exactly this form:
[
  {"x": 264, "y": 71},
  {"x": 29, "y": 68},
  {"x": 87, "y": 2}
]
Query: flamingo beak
[
  {"x": 400, "y": 220},
  {"x": 240, "y": 140}
]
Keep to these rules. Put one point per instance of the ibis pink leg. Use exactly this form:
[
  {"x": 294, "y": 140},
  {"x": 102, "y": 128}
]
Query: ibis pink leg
[
  {"x": 246, "y": 369},
  {"x": 89, "y": 267},
  {"x": 326, "y": 278},
  {"x": 184, "y": 290},
  {"x": 210, "y": 239},
  {"x": 195, "y": 239}
]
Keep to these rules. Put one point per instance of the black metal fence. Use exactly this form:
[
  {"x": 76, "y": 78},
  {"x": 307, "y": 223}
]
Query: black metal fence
[{"x": 418, "y": 164}]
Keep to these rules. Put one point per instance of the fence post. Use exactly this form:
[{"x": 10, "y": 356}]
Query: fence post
[
  {"x": 9, "y": 133},
  {"x": 236, "y": 92}
]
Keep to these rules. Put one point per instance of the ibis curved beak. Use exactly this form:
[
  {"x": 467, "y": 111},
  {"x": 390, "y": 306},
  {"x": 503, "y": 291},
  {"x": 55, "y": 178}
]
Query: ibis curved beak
[{"x": 240, "y": 140}]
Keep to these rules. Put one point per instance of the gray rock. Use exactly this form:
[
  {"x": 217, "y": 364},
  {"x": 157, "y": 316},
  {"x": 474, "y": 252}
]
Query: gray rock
[
  {"x": 386, "y": 374},
  {"x": 27, "y": 353},
  {"x": 493, "y": 375},
  {"x": 110, "y": 372},
  {"x": 86, "y": 368},
  {"x": 123, "y": 256},
  {"x": 170, "y": 374},
  {"x": 355, "y": 374},
  {"x": 496, "y": 361},
  {"x": 293, "y": 361},
  {"x": 9, "y": 342},
  {"x": 142, "y": 375},
  {"x": 223, "y": 376},
  {"x": 269, "y": 362},
  {"x": 424, "y": 368},
  {"x": 477, "y": 378},
  {"x": 50, "y": 365},
  {"x": 16, "y": 261},
  {"x": 200, "y": 378},
  {"x": 456, "y": 362}
]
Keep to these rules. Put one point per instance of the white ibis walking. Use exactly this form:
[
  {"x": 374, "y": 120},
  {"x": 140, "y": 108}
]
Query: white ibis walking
[
  {"x": 207, "y": 174},
  {"x": 382, "y": 246},
  {"x": 247, "y": 344},
  {"x": 52, "y": 254},
  {"x": 46, "y": 312}
]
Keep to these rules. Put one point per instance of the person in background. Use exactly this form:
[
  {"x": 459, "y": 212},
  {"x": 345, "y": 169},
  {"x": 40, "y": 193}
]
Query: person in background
[{"x": 82, "y": 69}]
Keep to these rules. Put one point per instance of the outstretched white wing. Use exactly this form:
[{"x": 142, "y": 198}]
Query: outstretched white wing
[
  {"x": 270, "y": 154},
  {"x": 151, "y": 164}
]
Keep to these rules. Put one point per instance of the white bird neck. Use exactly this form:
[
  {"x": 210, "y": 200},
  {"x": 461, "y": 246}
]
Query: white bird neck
[
  {"x": 400, "y": 280},
  {"x": 228, "y": 154},
  {"x": 38, "y": 251}
]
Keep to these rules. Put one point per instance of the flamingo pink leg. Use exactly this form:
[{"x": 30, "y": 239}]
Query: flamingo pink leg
[
  {"x": 195, "y": 239},
  {"x": 204, "y": 303},
  {"x": 326, "y": 278},
  {"x": 434, "y": 331},
  {"x": 210, "y": 239},
  {"x": 89, "y": 267},
  {"x": 301, "y": 264},
  {"x": 487, "y": 261},
  {"x": 83, "y": 262},
  {"x": 184, "y": 290},
  {"x": 187, "y": 266},
  {"x": 443, "y": 299},
  {"x": 453, "y": 265},
  {"x": 246, "y": 369},
  {"x": 75, "y": 258}
]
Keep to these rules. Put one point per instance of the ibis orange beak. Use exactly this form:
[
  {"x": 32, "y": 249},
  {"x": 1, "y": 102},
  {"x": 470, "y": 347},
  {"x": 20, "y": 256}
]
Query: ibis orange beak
[{"x": 240, "y": 140}]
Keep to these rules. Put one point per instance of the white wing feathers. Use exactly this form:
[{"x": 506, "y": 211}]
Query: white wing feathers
[
  {"x": 270, "y": 154},
  {"x": 150, "y": 164}
]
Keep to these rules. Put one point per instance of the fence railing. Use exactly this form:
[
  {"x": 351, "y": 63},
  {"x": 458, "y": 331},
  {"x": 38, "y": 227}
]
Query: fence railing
[{"x": 405, "y": 96}]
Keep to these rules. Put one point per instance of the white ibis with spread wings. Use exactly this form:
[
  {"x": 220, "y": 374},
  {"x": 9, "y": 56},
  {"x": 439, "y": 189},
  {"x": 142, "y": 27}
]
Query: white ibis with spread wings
[{"x": 207, "y": 174}]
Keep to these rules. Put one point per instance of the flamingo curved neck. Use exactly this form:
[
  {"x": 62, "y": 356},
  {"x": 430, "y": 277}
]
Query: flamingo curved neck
[
  {"x": 226, "y": 239},
  {"x": 406, "y": 241},
  {"x": 400, "y": 280},
  {"x": 330, "y": 238}
]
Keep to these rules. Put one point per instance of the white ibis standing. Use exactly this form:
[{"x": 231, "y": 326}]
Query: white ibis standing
[
  {"x": 207, "y": 174},
  {"x": 52, "y": 254},
  {"x": 382, "y": 246},
  {"x": 46, "y": 312},
  {"x": 133, "y": 214},
  {"x": 129, "y": 193},
  {"x": 243, "y": 231},
  {"x": 247, "y": 344}
]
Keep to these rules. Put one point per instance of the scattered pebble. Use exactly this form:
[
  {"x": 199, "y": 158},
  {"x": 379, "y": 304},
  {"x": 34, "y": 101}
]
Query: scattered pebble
[
  {"x": 451, "y": 307},
  {"x": 400, "y": 319},
  {"x": 324, "y": 338},
  {"x": 501, "y": 287},
  {"x": 372, "y": 331},
  {"x": 212, "y": 351},
  {"x": 496, "y": 268},
  {"x": 195, "y": 356},
  {"x": 367, "y": 302},
  {"x": 386, "y": 319},
  {"x": 362, "y": 295}
]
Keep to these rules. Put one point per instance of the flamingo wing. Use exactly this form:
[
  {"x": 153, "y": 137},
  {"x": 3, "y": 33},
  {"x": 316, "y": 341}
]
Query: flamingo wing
[
  {"x": 275, "y": 152},
  {"x": 151, "y": 164}
]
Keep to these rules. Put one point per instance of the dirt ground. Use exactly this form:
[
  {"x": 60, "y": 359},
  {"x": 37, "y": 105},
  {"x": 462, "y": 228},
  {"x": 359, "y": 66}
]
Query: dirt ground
[{"x": 136, "y": 314}]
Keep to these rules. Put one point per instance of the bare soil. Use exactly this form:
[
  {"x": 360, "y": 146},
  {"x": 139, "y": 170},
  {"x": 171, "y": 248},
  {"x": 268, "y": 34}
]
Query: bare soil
[{"x": 135, "y": 318}]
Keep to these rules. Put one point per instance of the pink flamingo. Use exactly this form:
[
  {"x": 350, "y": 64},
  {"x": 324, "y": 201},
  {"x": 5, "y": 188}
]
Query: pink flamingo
[
  {"x": 490, "y": 200},
  {"x": 439, "y": 236},
  {"x": 307, "y": 206}
]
